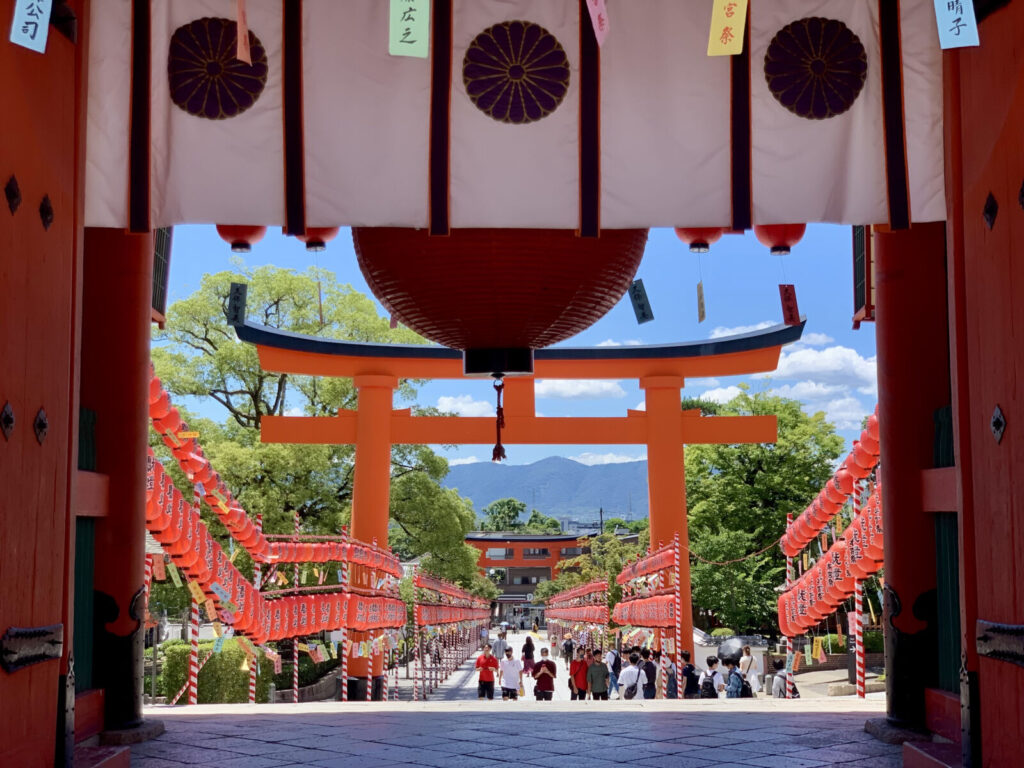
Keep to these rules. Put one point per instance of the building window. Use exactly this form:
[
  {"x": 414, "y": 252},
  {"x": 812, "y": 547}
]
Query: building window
[
  {"x": 536, "y": 554},
  {"x": 499, "y": 554},
  {"x": 572, "y": 551}
]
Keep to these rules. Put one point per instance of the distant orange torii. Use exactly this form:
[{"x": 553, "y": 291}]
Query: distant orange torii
[{"x": 663, "y": 427}]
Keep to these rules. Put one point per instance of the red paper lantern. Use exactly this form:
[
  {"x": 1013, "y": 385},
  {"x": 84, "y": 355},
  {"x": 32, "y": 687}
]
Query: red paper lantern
[
  {"x": 241, "y": 238},
  {"x": 780, "y": 237},
  {"x": 316, "y": 238},
  {"x": 498, "y": 293},
  {"x": 699, "y": 239}
]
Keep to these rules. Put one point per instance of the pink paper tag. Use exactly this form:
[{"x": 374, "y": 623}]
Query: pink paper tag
[
  {"x": 599, "y": 16},
  {"x": 242, "y": 49}
]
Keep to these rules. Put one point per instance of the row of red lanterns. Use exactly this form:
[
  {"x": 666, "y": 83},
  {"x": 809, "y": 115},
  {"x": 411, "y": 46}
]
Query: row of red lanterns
[
  {"x": 780, "y": 238},
  {"x": 855, "y": 556},
  {"x": 242, "y": 238},
  {"x": 588, "y": 614},
  {"x": 859, "y": 464},
  {"x": 661, "y": 560},
  {"x": 647, "y": 611}
]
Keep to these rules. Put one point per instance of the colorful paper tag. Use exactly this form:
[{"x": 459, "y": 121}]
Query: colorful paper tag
[
  {"x": 31, "y": 24},
  {"x": 790, "y": 310},
  {"x": 957, "y": 25},
  {"x": 409, "y": 28},
  {"x": 218, "y": 644},
  {"x": 187, "y": 435},
  {"x": 159, "y": 568},
  {"x": 175, "y": 576},
  {"x": 242, "y": 42},
  {"x": 728, "y": 22},
  {"x": 641, "y": 306},
  {"x": 196, "y": 592},
  {"x": 701, "y": 312},
  {"x": 599, "y": 18},
  {"x": 220, "y": 592},
  {"x": 211, "y": 610}
]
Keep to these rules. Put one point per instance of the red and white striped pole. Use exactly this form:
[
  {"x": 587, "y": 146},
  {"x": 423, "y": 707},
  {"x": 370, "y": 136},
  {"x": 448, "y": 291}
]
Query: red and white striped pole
[
  {"x": 858, "y": 634},
  {"x": 147, "y": 578},
  {"x": 181, "y": 691},
  {"x": 369, "y": 668},
  {"x": 256, "y": 586},
  {"x": 790, "y": 685},
  {"x": 678, "y": 594},
  {"x": 343, "y": 649},
  {"x": 193, "y": 656},
  {"x": 295, "y": 640},
  {"x": 416, "y": 683}
]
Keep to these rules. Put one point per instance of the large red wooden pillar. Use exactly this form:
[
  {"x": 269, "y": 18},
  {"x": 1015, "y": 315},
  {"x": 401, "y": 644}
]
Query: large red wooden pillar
[
  {"x": 666, "y": 481},
  {"x": 116, "y": 310},
  {"x": 913, "y": 382}
]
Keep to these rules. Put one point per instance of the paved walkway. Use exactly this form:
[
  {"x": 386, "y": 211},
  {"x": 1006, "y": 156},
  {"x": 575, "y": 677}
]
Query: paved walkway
[{"x": 455, "y": 730}]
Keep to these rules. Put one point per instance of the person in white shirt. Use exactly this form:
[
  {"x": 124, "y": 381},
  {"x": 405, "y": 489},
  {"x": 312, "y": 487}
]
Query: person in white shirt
[
  {"x": 632, "y": 680},
  {"x": 613, "y": 678},
  {"x": 510, "y": 676},
  {"x": 750, "y": 669},
  {"x": 711, "y": 682},
  {"x": 498, "y": 646}
]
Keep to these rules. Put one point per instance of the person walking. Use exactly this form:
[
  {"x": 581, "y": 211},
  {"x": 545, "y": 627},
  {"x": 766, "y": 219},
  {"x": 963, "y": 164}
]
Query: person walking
[
  {"x": 750, "y": 669},
  {"x": 734, "y": 680},
  {"x": 691, "y": 686},
  {"x": 613, "y": 660},
  {"x": 528, "y": 656},
  {"x": 510, "y": 676},
  {"x": 711, "y": 682},
  {"x": 544, "y": 674},
  {"x": 486, "y": 664},
  {"x": 578, "y": 676},
  {"x": 598, "y": 678},
  {"x": 779, "y": 679},
  {"x": 632, "y": 679},
  {"x": 672, "y": 681},
  {"x": 650, "y": 669},
  {"x": 536, "y": 628},
  {"x": 498, "y": 646},
  {"x": 567, "y": 650},
  {"x": 485, "y": 635}
]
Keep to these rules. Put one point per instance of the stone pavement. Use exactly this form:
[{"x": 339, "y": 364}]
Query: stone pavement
[{"x": 494, "y": 734}]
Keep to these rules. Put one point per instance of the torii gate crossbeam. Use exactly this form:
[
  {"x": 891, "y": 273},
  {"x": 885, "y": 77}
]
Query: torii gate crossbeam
[{"x": 663, "y": 427}]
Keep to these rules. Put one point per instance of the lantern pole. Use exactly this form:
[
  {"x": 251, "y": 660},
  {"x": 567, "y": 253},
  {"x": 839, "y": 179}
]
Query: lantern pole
[
  {"x": 790, "y": 685},
  {"x": 858, "y": 612},
  {"x": 344, "y": 649},
  {"x": 256, "y": 586},
  {"x": 295, "y": 640},
  {"x": 193, "y": 655}
]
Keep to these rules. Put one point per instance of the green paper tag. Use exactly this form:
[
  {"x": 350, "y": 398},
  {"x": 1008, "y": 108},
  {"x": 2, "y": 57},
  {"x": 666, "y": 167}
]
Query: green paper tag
[{"x": 409, "y": 28}]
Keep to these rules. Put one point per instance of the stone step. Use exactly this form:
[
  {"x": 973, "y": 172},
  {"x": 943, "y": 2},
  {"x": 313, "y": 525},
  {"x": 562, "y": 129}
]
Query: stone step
[
  {"x": 102, "y": 757},
  {"x": 931, "y": 754}
]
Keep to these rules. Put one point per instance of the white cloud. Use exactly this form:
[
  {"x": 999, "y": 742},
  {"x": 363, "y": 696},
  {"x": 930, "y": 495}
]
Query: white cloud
[
  {"x": 721, "y": 330},
  {"x": 720, "y": 394},
  {"x": 641, "y": 406},
  {"x": 294, "y": 411},
  {"x": 578, "y": 388},
  {"x": 465, "y": 460},
  {"x": 816, "y": 339},
  {"x": 614, "y": 343},
  {"x": 465, "y": 405},
  {"x": 605, "y": 458},
  {"x": 811, "y": 390},
  {"x": 831, "y": 365},
  {"x": 845, "y": 412}
]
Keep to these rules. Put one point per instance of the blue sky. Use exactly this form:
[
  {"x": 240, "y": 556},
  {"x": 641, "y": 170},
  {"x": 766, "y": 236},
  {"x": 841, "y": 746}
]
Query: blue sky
[{"x": 831, "y": 370}]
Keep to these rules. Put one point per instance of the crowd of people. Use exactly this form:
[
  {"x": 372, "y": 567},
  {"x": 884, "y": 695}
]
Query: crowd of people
[{"x": 629, "y": 673}]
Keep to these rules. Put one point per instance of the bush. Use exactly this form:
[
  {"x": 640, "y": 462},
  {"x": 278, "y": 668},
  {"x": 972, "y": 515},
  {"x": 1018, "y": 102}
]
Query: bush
[
  {"x": 874, "y": 642},
  {"x": 309, "y": 671},
  {"x": 723, "y": 632},
  {"x": 221, "y": 680}
]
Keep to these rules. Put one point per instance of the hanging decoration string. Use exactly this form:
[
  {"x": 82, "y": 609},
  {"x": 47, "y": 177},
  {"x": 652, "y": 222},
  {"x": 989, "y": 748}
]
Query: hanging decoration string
[
  {"x": 695, "y": 556},
  {"x": 498, "y": 454}
]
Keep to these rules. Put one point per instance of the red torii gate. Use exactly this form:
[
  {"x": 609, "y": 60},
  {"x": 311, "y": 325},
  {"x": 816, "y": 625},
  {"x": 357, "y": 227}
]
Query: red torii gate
[{"x": 664, "y": 428}]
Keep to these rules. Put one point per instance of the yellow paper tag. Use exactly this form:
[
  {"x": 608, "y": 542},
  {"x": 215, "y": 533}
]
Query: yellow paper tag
[
  {"x": 211, "y": 610},
  {"x": 216, "y": 629},
  {"x": 728, "y": 21},
  {"x": 302, "y": 647},
  {"x": 701, "y": 314},
  {"x": 196, "y": 591},
  {"x": 187, "y": 435},
  {"x": 234, "y": 554}
]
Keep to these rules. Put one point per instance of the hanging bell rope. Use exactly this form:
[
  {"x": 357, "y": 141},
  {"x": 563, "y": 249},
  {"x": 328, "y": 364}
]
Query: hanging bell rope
[{"x": 499, "y": 450}]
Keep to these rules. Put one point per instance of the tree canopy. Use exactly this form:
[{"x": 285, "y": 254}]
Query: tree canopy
[
  {"x": 738, "y": 497},
  {"x": 505, "y": 514},
  {"x": 200, "y": 361}
]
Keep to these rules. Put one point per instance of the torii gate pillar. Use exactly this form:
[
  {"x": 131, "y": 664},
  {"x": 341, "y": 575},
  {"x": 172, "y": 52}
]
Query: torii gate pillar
[{"x": 666, "y": 480}]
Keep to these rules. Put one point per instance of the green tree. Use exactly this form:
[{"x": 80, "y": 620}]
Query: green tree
[
  {"x": 503, "y": 515},
  {"x": 539, "y": 523},
  {"x": 633, "y": 526},
  {"x": 199, "y": 356},
  {"x": 738, "y": 498}
]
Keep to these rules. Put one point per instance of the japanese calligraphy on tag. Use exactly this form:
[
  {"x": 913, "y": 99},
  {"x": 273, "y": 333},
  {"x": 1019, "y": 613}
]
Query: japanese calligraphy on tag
[
  {"x": 957, "y": 25},
  {"x": 701, "y": 313},
  {"x": 31, "y": 24},
  {"x": 641, "y": 306},
  {"x": 599, "y": 18},
  {"x": 175, "y": 576},
  {"x": 409, "y": 28},
  {"x": 790, "y": 310},
  {"x": 728, "y": 22}
]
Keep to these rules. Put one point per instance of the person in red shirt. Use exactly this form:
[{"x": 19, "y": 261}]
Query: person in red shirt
[
  {"x": 578, "y": 676},
  {"x": 544, "y": 672},
  {"x": 486, "y": 663}
]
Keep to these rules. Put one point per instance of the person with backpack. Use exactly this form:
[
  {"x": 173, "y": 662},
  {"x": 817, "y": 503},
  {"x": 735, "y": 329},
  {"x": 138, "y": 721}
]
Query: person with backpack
[
  {"x": 691, "y": 686},
  {"x": 750, "y": 669},
  {"x": 632, "y": 679},
  {"x": 651, "y": 672},
  {"x": 711, "y": 683},
  {"x": 672, "y": 680},
  {"x": 567, "y": 650},
  {"x": 613, "y": 660},
  {"x": 736, "y": 686}
]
